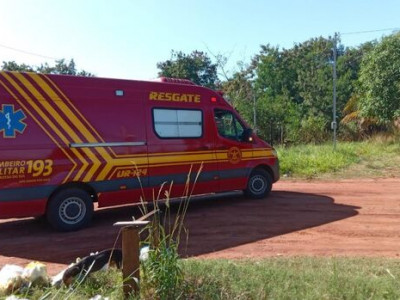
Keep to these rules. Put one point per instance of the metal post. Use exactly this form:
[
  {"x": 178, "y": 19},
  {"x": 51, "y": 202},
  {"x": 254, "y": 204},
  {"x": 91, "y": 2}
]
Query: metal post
[
  {"x": 254, "y": 114},
  {"x": 334, "y": 124}
]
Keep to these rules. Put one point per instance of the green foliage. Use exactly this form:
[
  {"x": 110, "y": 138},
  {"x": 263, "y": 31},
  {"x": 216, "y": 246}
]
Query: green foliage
[
  {"x": 311, "y": 161},
  {"x": 380, "y": 80},
  {"x": 350, "y": 131},
  {"x": 293, "y": 89},
  {"x": 162, "y": 273},
  {"x": 196, "y": 66},
  {"x": 61, "y": 67},
  {"x": 271, "y": 278},
  {"x": 107, "y": 284},
  {"x": 314, "y": 75},
  {"x": 162, "y": 276},
  {"x": 313, "y": 129},
  {"x": 13, "y": 66},
  {"x": 294, "y": 278},
  {"x": 239, "y": 92},
  {"x": 348, "y": 69}
]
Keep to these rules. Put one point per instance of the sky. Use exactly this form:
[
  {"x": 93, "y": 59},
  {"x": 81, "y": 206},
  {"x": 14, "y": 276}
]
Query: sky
[{"x": 126, "y": 38}]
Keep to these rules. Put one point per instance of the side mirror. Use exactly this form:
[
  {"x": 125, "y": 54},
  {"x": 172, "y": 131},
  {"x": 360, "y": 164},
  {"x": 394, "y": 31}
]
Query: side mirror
[{"x": 247, "y": 135}]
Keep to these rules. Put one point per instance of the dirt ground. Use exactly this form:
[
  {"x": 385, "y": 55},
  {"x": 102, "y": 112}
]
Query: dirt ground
[{"x": 316, "y": 218}]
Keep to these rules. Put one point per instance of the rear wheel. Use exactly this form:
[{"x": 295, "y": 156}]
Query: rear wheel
[
  {"x": 70, "y": 209},
  {"x": 259, "y": 184}
]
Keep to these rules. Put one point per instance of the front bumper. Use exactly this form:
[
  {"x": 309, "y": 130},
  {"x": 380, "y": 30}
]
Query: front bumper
[{"x": 275, "y": 170}]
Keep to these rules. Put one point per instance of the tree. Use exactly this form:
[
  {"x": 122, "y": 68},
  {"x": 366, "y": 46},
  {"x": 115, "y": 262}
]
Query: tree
[
  {"x": 61, "y": 67},
  {"x": 13, "y": 66},
  {"x": 353, "y": 123},
  {"x": 380, "y": 81},
  {"x": 239, "y": 92},
  {"x": 196, "y": 66},
  {"x": 348, "y": 69},
  {"x": 313, "y": 60},
  {"x": 294, "y": 89}
]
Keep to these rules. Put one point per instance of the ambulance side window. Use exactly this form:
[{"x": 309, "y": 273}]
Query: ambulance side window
[
  {"x": 178, "y": 123},
  {"x": 228, "y": 125}
]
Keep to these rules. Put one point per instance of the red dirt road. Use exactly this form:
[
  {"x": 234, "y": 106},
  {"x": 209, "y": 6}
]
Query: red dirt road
[{"x": 318, "y": 218}]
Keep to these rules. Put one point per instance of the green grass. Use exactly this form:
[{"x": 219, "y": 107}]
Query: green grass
[
  {"x": 295, "y": 278},
  {"x": 272, "y": 278},
  {"x": 373, "y": 158},
  {"x": 107, "y": 283}
]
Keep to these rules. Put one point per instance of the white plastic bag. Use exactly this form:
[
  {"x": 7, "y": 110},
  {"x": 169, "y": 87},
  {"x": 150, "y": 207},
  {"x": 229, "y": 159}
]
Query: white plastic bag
[
  {"x": 10, "y": 279},
  {"x": 99, "y": 297},
  {"x": 35, "y": 272},
  {"x": 13, "y": 297},
  {"x": 144, "y": 253}
]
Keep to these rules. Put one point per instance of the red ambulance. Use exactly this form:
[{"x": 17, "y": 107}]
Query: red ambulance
[{"x": 67, "y": 142}]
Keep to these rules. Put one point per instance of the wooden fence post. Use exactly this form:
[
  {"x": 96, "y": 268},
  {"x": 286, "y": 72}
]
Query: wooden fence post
[
  {"x": 131, "y": 252},
  {"x": 130, "y": 256},
  {"x": 130, "y": 260}
]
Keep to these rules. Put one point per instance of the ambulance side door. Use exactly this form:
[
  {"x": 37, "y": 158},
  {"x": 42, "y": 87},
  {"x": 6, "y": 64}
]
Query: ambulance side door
[
  {"x": 179, "y": 144},
  {"x": 234, "y": 154}
]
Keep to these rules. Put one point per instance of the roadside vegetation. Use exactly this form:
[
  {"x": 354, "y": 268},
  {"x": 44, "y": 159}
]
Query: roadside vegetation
[
  {"x": 376, "y": 157},
  {"x": 295, "y": 278},
  {"x": 272, "y": 278}
]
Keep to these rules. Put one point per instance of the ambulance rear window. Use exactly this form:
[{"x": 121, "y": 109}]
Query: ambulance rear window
[{"x": 178, "y": 123}]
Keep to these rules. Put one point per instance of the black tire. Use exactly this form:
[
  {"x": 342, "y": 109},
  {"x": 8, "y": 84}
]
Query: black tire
[
  {"x": 70, "y": 209},
  {"x": 259, "y": 184}
]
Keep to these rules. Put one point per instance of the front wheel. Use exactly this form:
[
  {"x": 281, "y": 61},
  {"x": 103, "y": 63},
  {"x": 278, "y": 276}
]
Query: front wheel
[
  {"x": 70, "y": 209},
  {"x": 259, "y": 184}
]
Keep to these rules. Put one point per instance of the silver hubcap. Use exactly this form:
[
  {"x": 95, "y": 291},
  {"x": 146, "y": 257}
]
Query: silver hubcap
[
  {"x": 72, "y": 210},
  {"x": 257, "y": 184}
]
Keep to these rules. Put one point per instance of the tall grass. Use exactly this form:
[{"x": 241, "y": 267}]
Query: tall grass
[
  {"x": 271, "y": 278},
  {"x": 108, "y": 284},
  {"x": 162, "y": 276},
  {"x": 294, "y": 278},
  {"x": 310, "y": 161}
]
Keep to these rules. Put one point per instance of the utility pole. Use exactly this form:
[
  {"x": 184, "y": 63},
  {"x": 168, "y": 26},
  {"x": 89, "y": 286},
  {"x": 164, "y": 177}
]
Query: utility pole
[
  {"x": 334, "y": 123},
  {"x": 254, "y": 114}
]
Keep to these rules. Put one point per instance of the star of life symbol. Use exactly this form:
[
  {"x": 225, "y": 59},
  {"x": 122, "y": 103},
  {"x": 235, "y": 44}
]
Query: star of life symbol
[{"x": 11, "y": 121}]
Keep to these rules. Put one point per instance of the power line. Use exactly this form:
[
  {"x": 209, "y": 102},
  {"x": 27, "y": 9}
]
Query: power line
[
  {"x": 369, "y": 31},
  {"x": 27, "y": 52}
]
